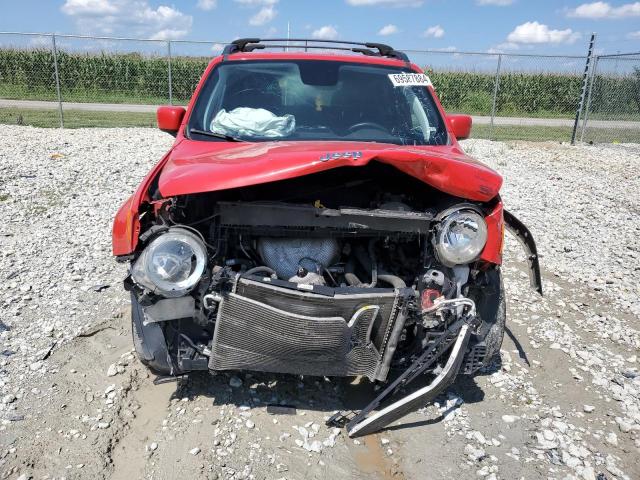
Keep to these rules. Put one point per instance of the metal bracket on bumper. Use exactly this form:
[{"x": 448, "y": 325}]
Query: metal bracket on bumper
[
  {"x": 522, "y": 233},
  {"x": 362, "y": 424}
]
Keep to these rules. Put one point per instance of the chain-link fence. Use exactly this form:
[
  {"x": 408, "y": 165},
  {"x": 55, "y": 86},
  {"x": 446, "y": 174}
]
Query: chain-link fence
[
  {"x": 50, "y": 80},
  {"x": 612, "y": 110}
]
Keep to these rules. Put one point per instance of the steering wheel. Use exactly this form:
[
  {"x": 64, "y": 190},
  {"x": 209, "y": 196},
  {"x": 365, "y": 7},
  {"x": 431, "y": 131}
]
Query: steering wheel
[{"x": 360, "y": 125}]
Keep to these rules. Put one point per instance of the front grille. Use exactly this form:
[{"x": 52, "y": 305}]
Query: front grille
[{"x": 273, "y": 329}]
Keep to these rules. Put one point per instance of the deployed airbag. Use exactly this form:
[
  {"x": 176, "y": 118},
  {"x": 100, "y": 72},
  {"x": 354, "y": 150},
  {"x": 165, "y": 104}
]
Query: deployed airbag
[{"x": 252, "y": 122}]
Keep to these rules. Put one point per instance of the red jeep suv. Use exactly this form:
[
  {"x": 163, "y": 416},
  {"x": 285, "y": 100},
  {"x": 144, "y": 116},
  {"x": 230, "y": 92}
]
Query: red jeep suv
[{"x": 317, "y": 216}]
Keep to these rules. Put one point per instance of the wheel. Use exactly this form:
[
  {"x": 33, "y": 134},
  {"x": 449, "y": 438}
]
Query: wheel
[{"x": 149, "y": 342}]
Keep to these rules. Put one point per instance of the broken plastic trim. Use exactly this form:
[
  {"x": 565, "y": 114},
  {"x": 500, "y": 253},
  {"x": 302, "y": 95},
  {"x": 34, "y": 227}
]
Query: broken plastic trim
[
  {"x": 522, "y": 233},
  {"x": 418, "y": 398}
]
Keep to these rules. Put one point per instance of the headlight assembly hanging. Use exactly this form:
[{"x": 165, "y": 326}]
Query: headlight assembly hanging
[{"x": 172, "y": 264}]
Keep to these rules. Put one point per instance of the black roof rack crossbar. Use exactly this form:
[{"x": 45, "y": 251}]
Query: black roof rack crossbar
[
  {"x": 250, "y": 44},
  {"x": 364, "y": 51}
]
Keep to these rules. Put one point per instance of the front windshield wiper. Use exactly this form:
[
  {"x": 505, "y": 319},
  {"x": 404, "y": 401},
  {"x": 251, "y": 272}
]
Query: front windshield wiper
[{"x": 228, "y": 138}]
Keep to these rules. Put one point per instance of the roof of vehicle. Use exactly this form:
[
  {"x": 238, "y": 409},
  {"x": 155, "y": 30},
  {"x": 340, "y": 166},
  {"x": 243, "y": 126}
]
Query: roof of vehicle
[
  {"x": 318, "y": 56},
  {"x": 314, "y": 49}
]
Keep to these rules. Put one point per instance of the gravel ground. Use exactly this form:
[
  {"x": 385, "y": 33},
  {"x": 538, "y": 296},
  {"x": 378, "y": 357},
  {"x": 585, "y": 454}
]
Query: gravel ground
[{"x": 563, "y": 401}]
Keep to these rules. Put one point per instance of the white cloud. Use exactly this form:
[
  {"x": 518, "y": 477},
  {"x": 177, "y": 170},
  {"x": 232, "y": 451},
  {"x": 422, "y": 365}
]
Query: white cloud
[
  {"x": 388, "y": 30},
  {"x": 128, "y": 17},
  {"x": 92, "y": 8},
  {"x": 497, "y": 3},
  {"x": 264, "y": 16},
  {"x": 217, "y": 47},
  {"x": 328, "y": 32},
  {"x": 534, "y": 32},
  {"x": 207, "y": 4},
  {"x": 386, "y": 3},
  {"x": 634, "y": 35},
  {"x": 597, "y": 10},
  {"x": 435, "y": 32},
  {"x": 257, "y": 3}
]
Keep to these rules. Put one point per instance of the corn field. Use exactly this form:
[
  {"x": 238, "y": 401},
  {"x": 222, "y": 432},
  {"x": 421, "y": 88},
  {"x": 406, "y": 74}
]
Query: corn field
[
  {"x": 134, "y": 78},
  {"x": 129, "y": 77}
]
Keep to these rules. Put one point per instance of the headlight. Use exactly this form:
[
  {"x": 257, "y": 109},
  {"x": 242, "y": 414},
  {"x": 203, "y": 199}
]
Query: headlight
[
  {"x": 172, "y": 264},
  {"x": 460, "y": 237}
]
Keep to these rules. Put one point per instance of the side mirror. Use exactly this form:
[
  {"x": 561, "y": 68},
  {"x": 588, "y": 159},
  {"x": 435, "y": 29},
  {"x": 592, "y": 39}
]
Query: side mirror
[
  {"x": 170, "y": 118},
  {"x": 460, "y": 126}
]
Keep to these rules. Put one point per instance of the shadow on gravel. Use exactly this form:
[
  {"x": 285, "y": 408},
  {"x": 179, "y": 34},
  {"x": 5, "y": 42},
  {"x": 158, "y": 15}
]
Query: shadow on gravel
[
  {"x": 521, "y": 353},
  {"x": 312, "y": 393},
  {"x": 263, "y": 389}
]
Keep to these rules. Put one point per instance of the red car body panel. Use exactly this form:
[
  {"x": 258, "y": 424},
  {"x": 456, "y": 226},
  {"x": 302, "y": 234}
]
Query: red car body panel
[
  {"x": 202, "y": 166},
  {"x": 195, "y": 167},
  {"x": 495, "y": 235}
]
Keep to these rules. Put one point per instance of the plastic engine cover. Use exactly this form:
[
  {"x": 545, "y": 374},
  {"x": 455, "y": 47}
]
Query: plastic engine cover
[{"x": 284, "y": 255}]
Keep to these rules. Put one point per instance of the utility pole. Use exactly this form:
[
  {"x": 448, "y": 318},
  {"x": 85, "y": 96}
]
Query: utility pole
[{"x": 585, "y": 81}]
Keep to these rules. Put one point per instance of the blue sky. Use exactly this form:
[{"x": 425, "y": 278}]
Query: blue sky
[{"x": 542, "y": 26}]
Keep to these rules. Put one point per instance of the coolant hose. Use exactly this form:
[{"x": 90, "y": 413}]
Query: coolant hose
[
  {"x": 369, "y": 263},
  {"x": 263, "y": 269},
  {"x": 392, "y": 280},
  {"x": 349, "y": 275},
  {"x": 353, "y": 280}
]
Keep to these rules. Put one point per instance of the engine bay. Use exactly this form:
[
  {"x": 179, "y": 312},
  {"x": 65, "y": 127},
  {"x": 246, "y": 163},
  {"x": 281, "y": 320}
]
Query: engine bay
[{"x": 290, "y": 255}]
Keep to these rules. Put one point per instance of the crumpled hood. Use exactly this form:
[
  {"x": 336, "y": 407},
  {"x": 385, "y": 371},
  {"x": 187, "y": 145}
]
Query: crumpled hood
[{"x": 195, "y": 166}]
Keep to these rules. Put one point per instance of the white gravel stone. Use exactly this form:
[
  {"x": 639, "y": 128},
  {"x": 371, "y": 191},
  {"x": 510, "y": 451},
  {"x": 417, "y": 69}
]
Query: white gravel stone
[
  {"x": 509, "y": 418},
  {"x": 194, "y": 451},
  {"x": 9, "y": 398},
  {"x": 474, "y": 453}
]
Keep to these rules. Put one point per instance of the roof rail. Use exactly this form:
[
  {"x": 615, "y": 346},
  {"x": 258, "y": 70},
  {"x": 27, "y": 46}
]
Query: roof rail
[{"x": 374, "y": 49}]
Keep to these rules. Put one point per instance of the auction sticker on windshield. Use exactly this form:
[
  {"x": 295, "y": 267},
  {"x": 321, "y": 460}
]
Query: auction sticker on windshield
[{"x": 409, "y": 79}]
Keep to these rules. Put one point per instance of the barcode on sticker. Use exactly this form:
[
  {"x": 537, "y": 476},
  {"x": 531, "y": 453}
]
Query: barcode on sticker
[{"x": 409, "y": 79}]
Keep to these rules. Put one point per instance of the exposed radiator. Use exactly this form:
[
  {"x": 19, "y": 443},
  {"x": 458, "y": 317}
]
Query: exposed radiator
[{"x": 273, "y": 329}]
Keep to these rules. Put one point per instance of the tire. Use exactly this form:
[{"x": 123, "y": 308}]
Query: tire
[
  {"x": 492, "y": 308},
  {"x": 495, "y": 335},
  {"x": 149, "y": 342}
]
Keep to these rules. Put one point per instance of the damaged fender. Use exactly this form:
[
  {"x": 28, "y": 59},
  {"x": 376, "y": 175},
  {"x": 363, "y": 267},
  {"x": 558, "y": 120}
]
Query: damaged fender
[{"x": 522, "y": 233}]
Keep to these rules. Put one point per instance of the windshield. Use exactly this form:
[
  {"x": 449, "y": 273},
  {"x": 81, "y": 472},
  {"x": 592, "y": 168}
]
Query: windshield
[{"x": 314, "y": 100}]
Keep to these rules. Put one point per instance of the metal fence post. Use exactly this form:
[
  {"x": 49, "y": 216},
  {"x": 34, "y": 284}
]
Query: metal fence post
[
  {"x": 57, "y": 75},
  {"x": 169, "y": 65},
  {"x": 583, "y": 92},
  {"x": 594, "y": 70},
  {"x": 495, "y": 96}
]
